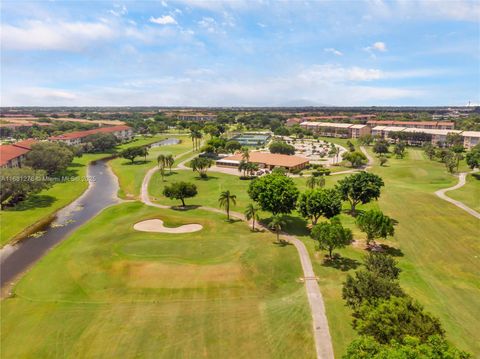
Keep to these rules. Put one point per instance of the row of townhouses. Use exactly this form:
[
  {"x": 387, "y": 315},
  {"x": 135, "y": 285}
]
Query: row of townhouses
[{"x": 14, "y": 155}]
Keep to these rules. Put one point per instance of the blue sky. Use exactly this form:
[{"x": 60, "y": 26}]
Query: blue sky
[{"x": 240, "y": 53}]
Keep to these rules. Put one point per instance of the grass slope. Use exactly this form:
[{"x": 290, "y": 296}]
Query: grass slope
[
  {"x": 470, "y": 193},
  {"x": 130, "y": 175},
  {"x": 109, "y": 291},
  {"x": 40, "y": 207}
]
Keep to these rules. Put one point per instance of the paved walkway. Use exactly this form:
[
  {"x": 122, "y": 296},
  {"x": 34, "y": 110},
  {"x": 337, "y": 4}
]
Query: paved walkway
[
  {"x": 323, "y": 341},
  {"x": 461, "y": 182}
]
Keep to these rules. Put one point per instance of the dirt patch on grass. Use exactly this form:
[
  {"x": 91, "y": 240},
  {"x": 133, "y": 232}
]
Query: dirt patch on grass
[{"x": 141, "y": 274}]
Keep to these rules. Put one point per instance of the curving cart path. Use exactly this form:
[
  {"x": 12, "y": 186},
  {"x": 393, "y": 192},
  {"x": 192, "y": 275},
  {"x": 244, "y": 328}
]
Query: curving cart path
[
  {"x": 321, "y": 331},
  {"x": 461, "y": 182}
]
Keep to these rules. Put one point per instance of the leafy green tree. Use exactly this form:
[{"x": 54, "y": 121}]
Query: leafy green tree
[
  {"x": 49, "y": 156},
  {"x": 275, "y": 193},
  {"x": 331, "y": 235},
  {"x": 382, "y": 265},
  {"x": 251, "y": 213},
  {"x": 351, "y": 146},
  {"x": 473, "y": 157},
  {"x": 282, "y": 148},
  {"x": 180, "y": 190},
  {"x": 369, "y": 287},
  {"x": 429, "y": 150},
  {"x": 375, "y": 224},
  {"x": 101, "y": 142},
  {"x": 276, "y": 223},
  {"x": 225, "y": 199},
  {"x": 381, "y": 147},
  {"x": 383, "y": 160},
  {"x": 356, "y": 159},
  {"x": 361, "y": 187},
  {"x": 436, "y": 347},
  {"x": 399, "y": 149},
  {"x": 17, "y": 183},
  {"x": 201, "y": 165},
  {"x": 319, "y": 202},
  {"x": 131, "y": 153},
  {"x": 394, "y": 319},
  {"x": 232, "y": 146},
  {"x": 365, "y": 140}
]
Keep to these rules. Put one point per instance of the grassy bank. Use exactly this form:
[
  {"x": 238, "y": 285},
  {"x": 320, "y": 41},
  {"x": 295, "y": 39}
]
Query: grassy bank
[
  {"x": 109, "y": 291},
  {"x": 41, "y": 207},
  {"x": 470, "y": 193},
  {"x": 130, "y": 175}
]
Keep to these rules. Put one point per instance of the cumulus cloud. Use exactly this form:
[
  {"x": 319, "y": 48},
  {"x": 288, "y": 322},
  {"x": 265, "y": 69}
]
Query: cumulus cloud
[
  {"x": 376, "y": 46},
  {"x": 68, "y": 36},
  {"x": 315, "y": 85},
  {"x": 163, "y": 20},
  {"x": 333, "y": 51}
]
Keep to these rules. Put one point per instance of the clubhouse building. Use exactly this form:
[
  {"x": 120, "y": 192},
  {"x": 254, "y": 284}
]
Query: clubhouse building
[{"x": 265, "y": 160}]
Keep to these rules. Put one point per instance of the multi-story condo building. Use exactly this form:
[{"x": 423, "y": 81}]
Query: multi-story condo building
[
  {"x": 121, "y": 132},
  {"x": 340, "y": 130}
]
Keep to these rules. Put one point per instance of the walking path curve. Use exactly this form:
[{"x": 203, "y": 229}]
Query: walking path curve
[
  {"x": 323, "y": 341},
  {"x": 461, "y": 182}
]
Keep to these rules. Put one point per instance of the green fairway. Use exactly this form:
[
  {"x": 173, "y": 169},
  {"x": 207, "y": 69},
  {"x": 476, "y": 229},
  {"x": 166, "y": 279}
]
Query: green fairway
[
  {"x": 130, "y": 176},
  {"x": 439, "y": 252},
  {"x": 470, "y": 193},
  {"x": 209, "y": 189},
  {"x": 111, "y": 292},
  {"x": 40, "y": 207}
]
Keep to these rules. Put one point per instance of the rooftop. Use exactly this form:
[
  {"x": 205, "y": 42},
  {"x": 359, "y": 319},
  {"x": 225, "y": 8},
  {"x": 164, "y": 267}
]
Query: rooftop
[
  {"x": 9, "y": 152},
  {"x": 271, "y": 159},
  {"x": 81, "y": 134}
]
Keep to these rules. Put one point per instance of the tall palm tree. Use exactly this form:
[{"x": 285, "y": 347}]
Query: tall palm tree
[
  {"x": 161, "y": 160},
  {"x": 169, "y": 161},
  {"x": 198, "y": 138},
  {"x": 276, "y": 224},
  {"x": 251, "y": 213},
  {"x": 225, "y": 199},
  {"x": 192, "y": 136},
  {"x": 245, "y": 154}
]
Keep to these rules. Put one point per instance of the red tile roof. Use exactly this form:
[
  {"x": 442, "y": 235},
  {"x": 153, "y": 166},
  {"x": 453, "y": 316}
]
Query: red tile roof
[
  {"x": 271, "y": 159},
  {"x": 10, "y": 152},
  {"x": 81, "y": 134},
  {"x": 26, "y": 143}
]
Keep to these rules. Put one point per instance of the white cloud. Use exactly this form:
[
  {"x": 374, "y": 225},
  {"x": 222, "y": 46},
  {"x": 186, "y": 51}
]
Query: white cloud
[
  {"x": 119, "y": 10},
  {"x": 163, "y": 20},
  {"x": 333, "y": 51},
  {"x": 261, "y": 24},
  {"x": 209, "y": 24},
  {"x": 376, "y": 46},
  {"x": 316, "y": 85},
  {"x": 68, "y": 36}
]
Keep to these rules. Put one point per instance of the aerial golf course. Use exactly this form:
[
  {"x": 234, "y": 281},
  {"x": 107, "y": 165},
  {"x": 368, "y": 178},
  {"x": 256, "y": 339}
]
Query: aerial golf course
[{"x": 225, "y": 291}]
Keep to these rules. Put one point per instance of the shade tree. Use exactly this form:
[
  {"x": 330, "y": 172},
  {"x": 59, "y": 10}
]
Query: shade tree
[
  {"x": 180, "y": 190},
  {"x": 319, "y": 202},
  {"x": 51, "y": 157},
  {"x": 201, "y": 165},
  {"x": 275, "y": 193},
  {"x": 331, "y": 235},
  {"x": 361, "y": 187}
]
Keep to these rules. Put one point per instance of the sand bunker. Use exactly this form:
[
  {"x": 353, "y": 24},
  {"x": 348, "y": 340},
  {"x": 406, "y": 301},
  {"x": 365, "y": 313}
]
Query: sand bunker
[{"x": 156, "y": 225}]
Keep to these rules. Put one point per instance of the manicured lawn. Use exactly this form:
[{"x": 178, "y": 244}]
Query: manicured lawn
[
  {"x": 130, "y": 175},
  {"x": 209, "y": 189},
  {"x": 470, "y": 193},
  {"x": 43, "y": 205},
  {"x": 439, "y": 251},
  {"x": 109, "y": 291}
]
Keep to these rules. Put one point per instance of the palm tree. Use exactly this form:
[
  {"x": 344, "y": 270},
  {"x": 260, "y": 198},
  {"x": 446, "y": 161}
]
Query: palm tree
[
  {"x": 311, "y": 182},
  {"x": 224, "y": 201},
  {"x": 276, "y": 224},
  {"x": 245, "y": 154},
  {"x": 161, "y": 160},
  {"x": 198, "y": 137},
  {"x": 251, "y": 213},
  {"x": 169, "y": 161}
]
